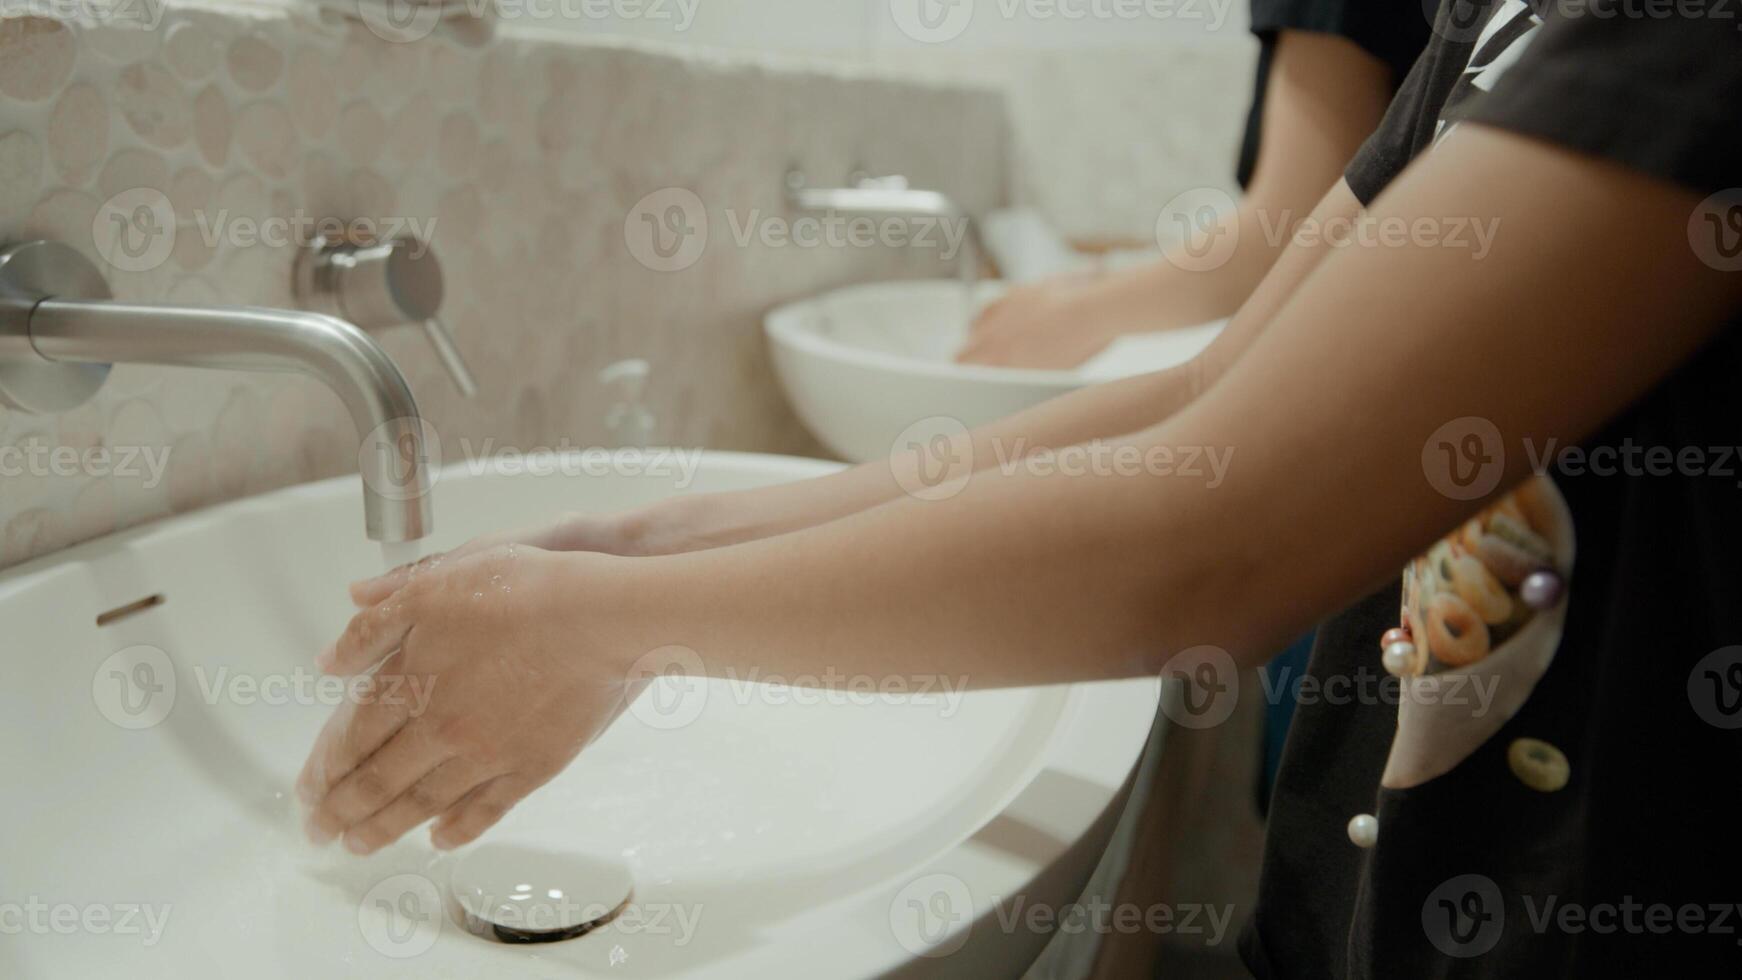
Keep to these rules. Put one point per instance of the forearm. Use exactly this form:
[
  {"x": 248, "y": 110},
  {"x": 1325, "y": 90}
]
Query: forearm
[
  {"x": 1096, "y": 412},
  {"x": 1024, "y": 577},
  {"x": 1324, "y": 96},
  {"x": 1177, "y": 290},
  {"x": 1099, "y": 411}
]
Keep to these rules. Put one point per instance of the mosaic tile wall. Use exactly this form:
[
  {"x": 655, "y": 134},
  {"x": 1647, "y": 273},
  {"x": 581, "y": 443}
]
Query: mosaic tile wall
[{"x": 524, "y": 160}]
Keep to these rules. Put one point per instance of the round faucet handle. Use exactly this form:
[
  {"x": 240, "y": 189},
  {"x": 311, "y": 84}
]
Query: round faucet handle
[
  {"x": 381, "y": 284},
  {"x": 371, "y": 284}
]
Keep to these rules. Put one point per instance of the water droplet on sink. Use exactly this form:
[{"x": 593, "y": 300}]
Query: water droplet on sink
[{"x": 517, "y": 894}]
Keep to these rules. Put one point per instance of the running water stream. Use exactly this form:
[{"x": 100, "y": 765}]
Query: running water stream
[{"x": 397, "y": 553}]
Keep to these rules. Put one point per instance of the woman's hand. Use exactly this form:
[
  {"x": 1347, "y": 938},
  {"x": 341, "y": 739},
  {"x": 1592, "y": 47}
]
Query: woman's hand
[{"x": 509, "y": 681}]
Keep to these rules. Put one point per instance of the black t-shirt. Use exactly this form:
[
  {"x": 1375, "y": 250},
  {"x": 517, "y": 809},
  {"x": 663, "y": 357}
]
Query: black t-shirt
[
  {"x": 1394, "y": 31},
  {"x": 1557, "y": 795}
]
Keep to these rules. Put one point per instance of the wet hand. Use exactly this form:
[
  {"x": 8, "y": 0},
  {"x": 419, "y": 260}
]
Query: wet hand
[
  {"x": 1048, "y": 324},
  {"x": 499, "y": 684}
]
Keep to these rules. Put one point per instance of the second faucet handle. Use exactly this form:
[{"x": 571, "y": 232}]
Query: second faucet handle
[{"x": 381, "y": 284}]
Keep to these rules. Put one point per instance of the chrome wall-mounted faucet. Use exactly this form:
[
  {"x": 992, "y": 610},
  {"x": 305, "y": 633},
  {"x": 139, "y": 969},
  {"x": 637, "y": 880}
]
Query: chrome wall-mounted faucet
[
  {"x": 381, "y": 284},
  {"x": 889, "y": 196},
  {"x": 60, "y": 332}
]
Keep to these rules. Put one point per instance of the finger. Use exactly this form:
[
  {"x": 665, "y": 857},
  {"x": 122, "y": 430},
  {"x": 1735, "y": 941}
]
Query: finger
[
  {"x": 479, "y": 810},
  {"x": 974, "y": 346},
  {"x": 440, "y": 789},
  {"x": 1008, "y": 354},
  {"x": 312, "y": 781},
  {"x": 376, "y": 781},
  {"x": 988, "y": 314},
  {"x": 369, "y": 591},
  {"x": 978, "y": 352},
  {"x": 351, "y": 735},
  {"x": 371, "y": 635}
]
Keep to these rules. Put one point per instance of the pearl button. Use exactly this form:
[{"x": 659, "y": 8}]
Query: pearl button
[
  {"x": 1364, "y": 830},
  {"x": 1399, "y": 659},
  {"x": 1541, "y": 589}
]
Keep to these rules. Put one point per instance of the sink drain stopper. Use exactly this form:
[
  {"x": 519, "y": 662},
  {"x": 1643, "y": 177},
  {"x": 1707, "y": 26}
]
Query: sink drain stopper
[{"x": 516, "y": 894}]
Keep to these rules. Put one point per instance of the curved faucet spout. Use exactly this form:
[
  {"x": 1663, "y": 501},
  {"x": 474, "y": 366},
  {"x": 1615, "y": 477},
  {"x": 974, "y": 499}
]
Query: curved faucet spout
[{"x": 395, "y": 459}]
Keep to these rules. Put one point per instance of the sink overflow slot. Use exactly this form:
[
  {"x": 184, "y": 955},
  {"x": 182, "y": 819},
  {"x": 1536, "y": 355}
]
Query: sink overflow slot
[{"x": 133, "y": 608}]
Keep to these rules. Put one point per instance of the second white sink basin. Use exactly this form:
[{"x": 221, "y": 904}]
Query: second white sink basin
[{"x": 863, "y": 364}]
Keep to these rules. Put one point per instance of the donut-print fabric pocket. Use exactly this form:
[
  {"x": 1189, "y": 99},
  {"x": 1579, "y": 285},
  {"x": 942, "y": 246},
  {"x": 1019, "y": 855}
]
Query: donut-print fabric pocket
[{"x": 1480, "y": 647}]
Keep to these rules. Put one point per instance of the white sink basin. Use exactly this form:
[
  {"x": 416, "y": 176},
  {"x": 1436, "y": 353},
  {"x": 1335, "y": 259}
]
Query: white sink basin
[
  {"x": 863, "y": 364},
  {"x": 770, "y": 837}
]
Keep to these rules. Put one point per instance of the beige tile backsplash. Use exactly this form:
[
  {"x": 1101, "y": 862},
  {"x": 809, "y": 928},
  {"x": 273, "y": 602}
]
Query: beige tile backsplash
[{"x": 522, "y": 158}]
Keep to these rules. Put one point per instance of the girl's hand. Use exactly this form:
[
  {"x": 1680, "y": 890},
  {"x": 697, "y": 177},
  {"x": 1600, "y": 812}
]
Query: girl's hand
[
  {"x": 491, "y": 680},
  {"x": 1056, "y": 323}
]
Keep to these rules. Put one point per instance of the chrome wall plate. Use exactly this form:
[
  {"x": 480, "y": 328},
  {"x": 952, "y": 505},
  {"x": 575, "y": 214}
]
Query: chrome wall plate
[{"x": 29, "y": 273}]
